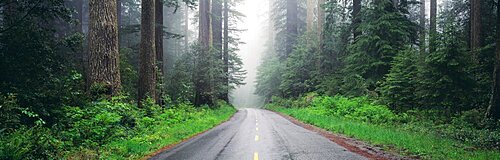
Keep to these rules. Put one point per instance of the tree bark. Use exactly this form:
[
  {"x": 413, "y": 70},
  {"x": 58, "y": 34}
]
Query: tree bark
[
  {"x": 226, "y": 49},
  {"x": 203, "y": 88},
  {"x": 356, "y": 20},
  {"x": 119, "y": 19},
  {"x": 321, "y": 19},
  {"x": 433, "y": 27},
  {"x": 186, "y": 28},
  {"x": 103, "y": 47},
  {"x": 310, "y": 15},
  {"x": 159, "y": 45},
  {"x": 217, "y": 37},
  {"x": 204, "y": 24},
  {"x": 217, "y": 25},
  {"x": 291, "y": 26},
  {"x": 422, "y": 27},
  {"x": 493, "y": 111},
  {"x": 159, "y": 33},
  {"x": 147, "y": 52},
  {"x": 475, "y": 23}
]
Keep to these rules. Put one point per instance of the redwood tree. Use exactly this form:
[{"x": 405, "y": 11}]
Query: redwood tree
[
  {"x": 310, "y": 14},
  {"x": 321, "y": 19},
  {"x": 475, "y": 24},
  {"x": 226, "y": 49},
  {"x": 203, "y": 86},
  {"x": 433, "y": 27},
  {"x": 147, "y": 52},
  {"x": 356, "y": 20},
  {"x": 291, "y": 25},
  {"x": 159, "y": 44},
  {"x": 103, "y": 70},
  {"x": 422, "y": 27}
]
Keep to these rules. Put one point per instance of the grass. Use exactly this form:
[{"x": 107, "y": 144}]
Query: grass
[
  {"x": 405, "y": 142},
  {"x": 159, "y": 136}
]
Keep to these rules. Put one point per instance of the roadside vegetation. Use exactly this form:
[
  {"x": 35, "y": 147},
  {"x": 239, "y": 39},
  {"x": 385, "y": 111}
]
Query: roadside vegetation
[
  {"x": 422, "y": 134},
  {"x": 110, "y": 129},
  {"x": 421, "y": 82}
]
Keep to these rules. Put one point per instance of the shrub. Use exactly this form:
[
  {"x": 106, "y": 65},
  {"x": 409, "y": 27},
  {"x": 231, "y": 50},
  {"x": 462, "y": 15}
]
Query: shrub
[
  {"x": 30, "y": 143},
  {"x": 10, "y": 112},
  {"x": 373, "y": 113},
  {"x": 354, "y": 108}
]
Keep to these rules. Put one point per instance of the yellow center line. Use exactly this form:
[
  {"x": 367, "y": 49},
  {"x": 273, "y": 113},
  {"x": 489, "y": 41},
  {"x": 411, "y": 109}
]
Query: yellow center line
[
  {"x": 257, "y": 129},
  {"x": 256, "y": 137},
  {"x": 256, "y": 124},
  {"x": 255, "y": 156}
]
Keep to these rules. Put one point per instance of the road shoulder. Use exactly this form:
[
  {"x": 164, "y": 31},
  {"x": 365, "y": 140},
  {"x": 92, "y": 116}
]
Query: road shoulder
[
  {"x": 171, "y": 146},
  {"x": 351, "y": 144}
]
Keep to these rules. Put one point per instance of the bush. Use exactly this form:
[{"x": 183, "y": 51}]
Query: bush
[
  {"x": 85, "y": 132},
  {"x": 352, "y": 108},
  {"x": 30, "y": 143},
  {"x": 467, "y": 126},
  {"x": 10, "y": 112}
]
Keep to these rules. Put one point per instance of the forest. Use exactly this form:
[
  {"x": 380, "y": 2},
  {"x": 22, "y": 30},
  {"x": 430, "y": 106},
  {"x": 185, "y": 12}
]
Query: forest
[
  {"x": 392, "y": 72},
  {"x": 122, "y": 79},
  {"x": 81, "y": 78}
]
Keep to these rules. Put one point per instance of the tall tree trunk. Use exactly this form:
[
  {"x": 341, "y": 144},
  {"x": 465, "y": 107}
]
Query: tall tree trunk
[
  {"x": 79, "y": 9},
  {"x": 310, "y": 14},
  {"x": 159, "y": 45},
  {"x": 217, "y": 40},
  {"x": 356, "y": 20},
  {"x": 104, "y": 60},
  {"x": 271, "y": 29},
  {"x": 321, "y": 19},
  {"x": 119, "y": 17},
  {"x": 217, "y": 25},
  {"x": 217, "y": 36},
  {"x": 147, "y": 52},
  {"x": 422, "y": 27},
  {"x": 475, "y": 23},
  {"x": 159, "y": 33},
  {"x": 493, "y": 111},
  {"x": 291, "y": 26},
  {"x": 433, "y": 27},
  {"x": 186, "y": 28},
  {"x": 204, "y": 24},
  {"x": 226, "y": 50},
  {"x": 203, "y": 88}
]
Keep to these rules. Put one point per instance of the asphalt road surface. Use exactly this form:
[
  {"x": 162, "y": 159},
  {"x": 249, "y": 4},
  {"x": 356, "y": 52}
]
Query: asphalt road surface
[{"x": 255, "y": 134}]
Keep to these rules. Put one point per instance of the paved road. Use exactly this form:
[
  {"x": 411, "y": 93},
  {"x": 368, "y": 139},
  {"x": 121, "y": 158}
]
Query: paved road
[{"x": 254, "y": 134}]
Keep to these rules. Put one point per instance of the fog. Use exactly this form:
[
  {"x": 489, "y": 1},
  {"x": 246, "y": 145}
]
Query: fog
[{"x": 252, "y": 51}]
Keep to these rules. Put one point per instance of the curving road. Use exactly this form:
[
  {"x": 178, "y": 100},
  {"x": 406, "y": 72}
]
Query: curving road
[{"x": 254, "y": 134}]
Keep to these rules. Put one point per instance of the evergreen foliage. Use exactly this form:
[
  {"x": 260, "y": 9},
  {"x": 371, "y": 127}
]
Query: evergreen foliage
[
  {"x": 385, "y": 32},
  {"x": 399, "y": 86}
]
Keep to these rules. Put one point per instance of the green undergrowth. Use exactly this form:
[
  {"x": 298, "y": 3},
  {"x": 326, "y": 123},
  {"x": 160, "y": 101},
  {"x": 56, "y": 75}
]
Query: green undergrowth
[
  {"x": 159, "y": 135},
  {"x": 111, "y": 129},
  {"x": 404, "y": 133}
]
